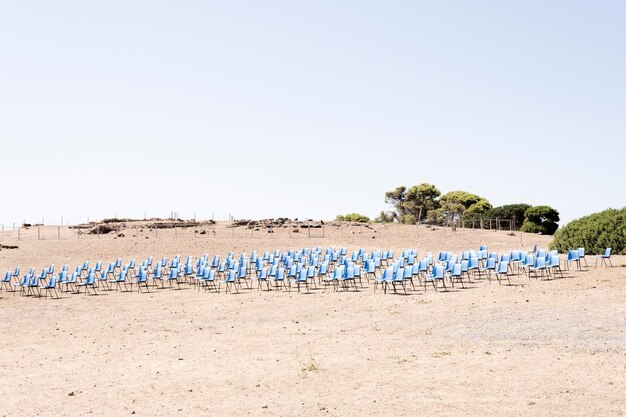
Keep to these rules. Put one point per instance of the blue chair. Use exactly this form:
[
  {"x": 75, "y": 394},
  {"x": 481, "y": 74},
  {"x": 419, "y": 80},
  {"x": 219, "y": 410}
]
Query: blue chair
[
  {"x": 606, "y": 256},
  {"x": 424, "y": 265},
  {"x": 195, "y": 279},
  {"x": 472, "y": 265},
  {"x": 437, "y": 275},
  {"x": 173, "y": 277},
  {"x": 311, "y": 273},
  {"x": 502, "y": 272},
  {"x": 84, "y": 268},
  {"x": 465, "y": 269},
  {"x": 6, "y": 282},
  {"x": 323, "y": 271},
  {"x": 554, "y": 265},
  {"x": 408, "y": 275},
  {"x": 62, "y": 279},
  {"x": 572, "y": 256},
  {"x": 301, "y": 280},
  {"x": 118, "y": 264},
  {"x": 90, "y": 282},
  {"x": 398, "y": 279},
  {"x": 33, "y": 285},
  {"x": 23, "y": 284},
  {"x": 102, "y": 277},
  {"x": 208, "y": 280},
  {"x": 262, "y": 277},
  {"x": 370, "y": 269},
  {"x": 385, "y": 279},
  {"x": 527, "y": 262},
  {"x": 72, "y": 282},
  {"x": 279, "y": 278},
  {"x": 242, "y": 275},
  {"x": 539, "y": 267},
  {"x": 142, "y": 280},
  {"x": 415, "y": 272},
  {"x": 188, "y": 273},
  {"x": 121, "y": 279},
  {"x": 158, "y": 275},
  {"x": 333, "y": 278},
  {"x": 51, "y": 286},
  {"x": 348, "y": 278},
  {"x": 456, "y": 274},
  {"x": 488, "y": 268},
  {"x": 230, "y": 281}
]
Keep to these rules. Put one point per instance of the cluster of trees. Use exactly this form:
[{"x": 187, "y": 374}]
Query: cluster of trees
[
  {"x": 352, "y": 217},
  {"x": 425, "y": 202},
  {"x": 595, "y": 233}
]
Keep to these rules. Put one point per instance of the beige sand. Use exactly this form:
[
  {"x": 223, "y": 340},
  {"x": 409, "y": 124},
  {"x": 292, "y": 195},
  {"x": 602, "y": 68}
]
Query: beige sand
[{"x": 537, "y": 348}]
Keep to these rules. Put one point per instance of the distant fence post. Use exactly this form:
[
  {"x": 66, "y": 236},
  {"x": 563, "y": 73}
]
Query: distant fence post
[{"x": 38, "y": 233}]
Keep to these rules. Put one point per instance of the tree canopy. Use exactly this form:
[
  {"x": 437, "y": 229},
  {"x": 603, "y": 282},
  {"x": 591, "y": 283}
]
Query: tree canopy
[
  {"x": 413, "y": 203},
  {"x": 410, "y": 205},
  {"x": 541, "y": 219}
]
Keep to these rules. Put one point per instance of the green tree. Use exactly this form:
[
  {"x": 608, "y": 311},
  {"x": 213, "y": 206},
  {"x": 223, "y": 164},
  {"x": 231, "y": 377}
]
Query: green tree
[
  {"x": 511, "y": 212},
  {"x": 397, "y": 198},
  {"x": 413, "y": 203},
  {"x": 457, "y": 203},
  {"x": 477, "y": 209},
  {"x": 541, "y": 219}
]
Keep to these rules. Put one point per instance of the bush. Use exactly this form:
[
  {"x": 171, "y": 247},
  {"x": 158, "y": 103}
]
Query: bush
[
  {"x": 595, "y": 233},
  {"x": 353, "y": 217},
  {"x": 541, "y": 219}
]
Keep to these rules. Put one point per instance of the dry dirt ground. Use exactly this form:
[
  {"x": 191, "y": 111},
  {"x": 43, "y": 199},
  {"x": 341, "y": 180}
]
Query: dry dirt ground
[{"x": 541, "y": 348}]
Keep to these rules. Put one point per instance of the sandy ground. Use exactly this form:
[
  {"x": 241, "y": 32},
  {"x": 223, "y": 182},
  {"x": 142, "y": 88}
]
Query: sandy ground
[{"x": 535, "y": 348}]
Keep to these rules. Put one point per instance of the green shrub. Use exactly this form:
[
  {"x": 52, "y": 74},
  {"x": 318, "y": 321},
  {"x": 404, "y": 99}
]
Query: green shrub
[
  {"x": 595, "y": 233},
  {"x": 541, "y": 219},
  {"x": 353, "y": 217}
]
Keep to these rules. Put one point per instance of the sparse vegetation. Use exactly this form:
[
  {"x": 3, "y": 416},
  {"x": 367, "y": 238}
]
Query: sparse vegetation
[{"x": 312, "y": 365}]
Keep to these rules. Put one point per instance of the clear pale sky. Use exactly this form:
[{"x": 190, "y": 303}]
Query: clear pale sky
[{"x": 307, "y": 109}]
